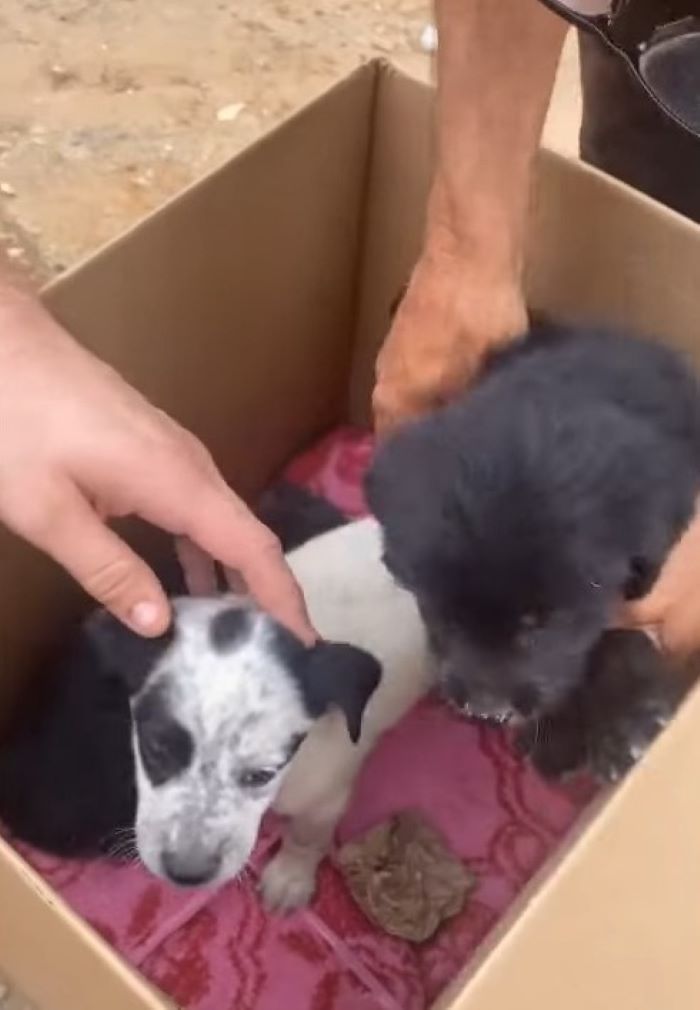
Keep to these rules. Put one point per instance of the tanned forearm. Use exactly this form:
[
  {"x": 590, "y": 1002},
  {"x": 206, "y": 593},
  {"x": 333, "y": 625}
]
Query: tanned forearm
[{"x": 496, "y": 65}]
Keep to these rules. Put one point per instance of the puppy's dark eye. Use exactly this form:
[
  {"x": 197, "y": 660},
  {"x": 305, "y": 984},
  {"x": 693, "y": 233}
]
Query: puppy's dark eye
[{"x": 255, "y": 778}]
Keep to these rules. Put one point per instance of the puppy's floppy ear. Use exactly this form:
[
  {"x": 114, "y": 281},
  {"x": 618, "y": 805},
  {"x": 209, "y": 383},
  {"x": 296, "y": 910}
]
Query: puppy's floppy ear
[
  {"x": 335, "y": 675},
  {"x": 121, "y": 651}
]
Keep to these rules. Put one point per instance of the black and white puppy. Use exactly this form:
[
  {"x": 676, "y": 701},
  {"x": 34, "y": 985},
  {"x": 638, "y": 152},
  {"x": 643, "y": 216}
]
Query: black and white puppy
[
  {"x": 193, "y": 737},
  {"x": 523, "y": 514}
]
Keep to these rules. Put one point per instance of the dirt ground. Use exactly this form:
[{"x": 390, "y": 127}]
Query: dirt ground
[{"x": 107, "y": 107}]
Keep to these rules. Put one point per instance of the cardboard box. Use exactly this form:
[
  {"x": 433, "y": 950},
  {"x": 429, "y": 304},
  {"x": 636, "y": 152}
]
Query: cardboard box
[{"x": 251, "y": 308}]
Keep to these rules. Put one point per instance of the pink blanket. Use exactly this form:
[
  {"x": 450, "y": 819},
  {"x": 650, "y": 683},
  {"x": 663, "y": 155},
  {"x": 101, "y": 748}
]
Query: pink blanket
[{"x": 221, "y": 951}]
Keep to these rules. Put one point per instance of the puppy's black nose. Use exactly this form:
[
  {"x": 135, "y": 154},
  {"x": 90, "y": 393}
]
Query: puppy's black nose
[{"x": 187, "y": 869}]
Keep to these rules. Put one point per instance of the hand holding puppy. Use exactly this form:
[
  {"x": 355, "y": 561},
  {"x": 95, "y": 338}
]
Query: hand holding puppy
[
  {"x": 464, "y": 297},
  {"x": 672, "y": 608},
  {"x": 496, "y": 65},
  {"x": 449, "y": 320},
  {"x": 453, "y": 313}
]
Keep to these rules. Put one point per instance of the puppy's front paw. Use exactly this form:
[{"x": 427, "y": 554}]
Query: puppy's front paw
[
  {"x": 632, "y": 696},
  {"x": 288, "y": 881},
  {"x": 619, "y": 743}
]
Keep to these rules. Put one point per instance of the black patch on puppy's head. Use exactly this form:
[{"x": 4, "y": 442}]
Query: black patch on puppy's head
[
  {"x": 331, "y": 675},
  {"x": 166, "y": 747},
  {"x": 229, "y": 628},
  {"x": 122, "y": 652}
]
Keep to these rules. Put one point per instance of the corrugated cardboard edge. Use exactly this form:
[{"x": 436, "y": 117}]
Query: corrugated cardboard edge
[
  {"x": 134, "y": 991},
  {"x": 550, "y": 960}
]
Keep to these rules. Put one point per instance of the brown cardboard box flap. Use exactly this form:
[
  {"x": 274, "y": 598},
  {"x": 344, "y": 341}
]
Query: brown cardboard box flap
[{"x": 54, "y": 958}]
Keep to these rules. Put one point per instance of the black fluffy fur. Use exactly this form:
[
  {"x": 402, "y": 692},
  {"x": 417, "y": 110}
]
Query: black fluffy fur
[
  {"x": 296, "y": 515},
  {"x": 521, "y": 515},
  {"x": 66, "y": 768},
  {"x": 67, "y": 777},
  {"x": 627, "y": 696}
]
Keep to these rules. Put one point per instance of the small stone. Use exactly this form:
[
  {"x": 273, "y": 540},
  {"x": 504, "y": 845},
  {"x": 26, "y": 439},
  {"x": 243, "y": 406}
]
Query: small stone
[
  {"x": 229, "y": 113},
  {"x": 15, "y": 253},
  {"x": 7, "y": 189},
  {"x": 60, "y": 75}
]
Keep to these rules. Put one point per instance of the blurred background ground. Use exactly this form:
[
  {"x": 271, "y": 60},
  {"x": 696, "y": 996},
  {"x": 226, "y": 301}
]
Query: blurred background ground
[{"x": 107, "y": 107}]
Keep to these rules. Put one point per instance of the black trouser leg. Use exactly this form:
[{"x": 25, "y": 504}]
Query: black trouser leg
[{"x": 626, "y": 135}]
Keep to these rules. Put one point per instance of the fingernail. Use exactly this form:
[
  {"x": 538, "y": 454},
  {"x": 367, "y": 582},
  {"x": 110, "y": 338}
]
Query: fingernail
[{"x": 145, "y": 615}]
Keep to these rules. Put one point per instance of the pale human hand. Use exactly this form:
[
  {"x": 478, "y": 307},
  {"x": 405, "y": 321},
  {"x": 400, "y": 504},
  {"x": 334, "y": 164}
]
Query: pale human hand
[
  {"x": 672, "y": 608},
  {"x": 79, "y": 446}
]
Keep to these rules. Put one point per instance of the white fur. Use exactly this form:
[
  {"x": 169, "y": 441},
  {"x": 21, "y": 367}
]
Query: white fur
[{"x": 241, "y": 707}]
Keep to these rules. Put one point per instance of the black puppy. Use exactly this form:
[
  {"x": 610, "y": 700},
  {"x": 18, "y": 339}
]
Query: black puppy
[{"x": 523, "y": 514}]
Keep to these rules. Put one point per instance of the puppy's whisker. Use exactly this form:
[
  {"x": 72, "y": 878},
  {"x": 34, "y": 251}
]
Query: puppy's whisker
[
  {"x": 120, "y": 844},
  {"x": 538, "y": 726},
  {"x": 127, "y": 831},
  {"x": 116, "y": 834},
  {"x": 124, "y": 850}
]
